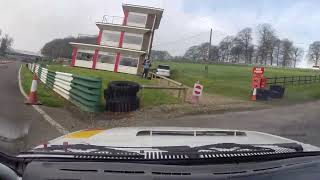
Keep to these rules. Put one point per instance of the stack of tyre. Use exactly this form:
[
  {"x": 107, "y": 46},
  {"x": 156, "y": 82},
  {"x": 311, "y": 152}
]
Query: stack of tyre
[
  {"x": 121, "y": 96},
  {"x": 276, "y": 91},
  {"x": 263, "y": 94}
]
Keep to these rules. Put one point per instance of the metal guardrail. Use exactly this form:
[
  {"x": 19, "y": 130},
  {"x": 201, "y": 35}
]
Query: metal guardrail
[
  {"x": 154, "y": 75},
  {"x": 182, "y": 91},
  {"x": 84, "y": 92},
  {"x": 112, "y": 19},
  {"x": 293, "y": 80}
]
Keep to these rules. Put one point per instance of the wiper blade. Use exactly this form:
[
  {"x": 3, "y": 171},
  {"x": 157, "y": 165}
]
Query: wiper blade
[
  {"x": 233, "y": 147},
  {"x": 80, "y": 148}
]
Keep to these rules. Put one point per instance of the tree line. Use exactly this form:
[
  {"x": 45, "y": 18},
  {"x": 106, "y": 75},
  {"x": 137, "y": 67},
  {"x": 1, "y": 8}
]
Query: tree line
[
  {"x": 60, "y": 48},
  {"x": 5, "y": 43},
  {"x": 240, "y": 49}
]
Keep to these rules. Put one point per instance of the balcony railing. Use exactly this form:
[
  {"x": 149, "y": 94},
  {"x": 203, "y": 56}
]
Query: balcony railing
[{"x": 112, "y": 19}]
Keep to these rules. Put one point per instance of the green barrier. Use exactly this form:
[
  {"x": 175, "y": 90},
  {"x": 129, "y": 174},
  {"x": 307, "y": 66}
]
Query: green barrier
[
  {"x": 39, "y": 71},
  {"x": 86, "y": 83},
  {"x": 85, "y": 92}
]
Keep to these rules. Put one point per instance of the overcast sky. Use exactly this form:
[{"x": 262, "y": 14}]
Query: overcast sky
[{"x": 32, "y": 23}]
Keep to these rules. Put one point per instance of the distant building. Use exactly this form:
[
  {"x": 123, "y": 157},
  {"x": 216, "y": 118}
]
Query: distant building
[{"x": 122, "y": 43}]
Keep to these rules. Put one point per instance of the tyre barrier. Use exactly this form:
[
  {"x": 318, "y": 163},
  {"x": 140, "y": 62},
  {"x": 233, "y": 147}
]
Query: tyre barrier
[
  {"x": 123, "y": 89},
  {"x": 123, "y": 104},
  {"x": 263, "y": 94},
  {"x": 276, "y": 91},
  {"x": 121, "y": 96}
]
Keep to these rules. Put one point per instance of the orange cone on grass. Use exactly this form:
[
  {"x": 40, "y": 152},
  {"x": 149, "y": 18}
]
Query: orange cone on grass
[
  {"x": 33, "y": 98},
  {"x": 254, "y": 94}
]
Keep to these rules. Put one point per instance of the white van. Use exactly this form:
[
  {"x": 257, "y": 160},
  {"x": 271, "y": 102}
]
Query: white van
[{"x": 163, "y": 70}]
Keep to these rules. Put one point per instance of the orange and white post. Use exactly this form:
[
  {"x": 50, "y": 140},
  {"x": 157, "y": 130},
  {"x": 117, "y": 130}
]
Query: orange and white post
[
  {"x": 254, "y": 94},
  {"x": 33, "y": 98}
]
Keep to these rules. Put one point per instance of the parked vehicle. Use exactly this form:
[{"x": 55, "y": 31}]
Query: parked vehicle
[
  {"x": 163, "y": 70},
  {"x": 165, "y": 153}
]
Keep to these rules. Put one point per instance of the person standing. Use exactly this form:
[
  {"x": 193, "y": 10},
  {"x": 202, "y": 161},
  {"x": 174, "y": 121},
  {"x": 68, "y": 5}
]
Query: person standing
[{"x": 146, "y": 67}]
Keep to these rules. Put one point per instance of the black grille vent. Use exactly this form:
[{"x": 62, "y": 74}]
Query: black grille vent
[
  {"x": 172, "y": 173},
  {"x": 123, "y": 172}
]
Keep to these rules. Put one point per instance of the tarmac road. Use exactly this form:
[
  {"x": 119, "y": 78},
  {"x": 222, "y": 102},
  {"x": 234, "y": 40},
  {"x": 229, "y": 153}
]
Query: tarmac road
[{"x": 21, "y": 127}]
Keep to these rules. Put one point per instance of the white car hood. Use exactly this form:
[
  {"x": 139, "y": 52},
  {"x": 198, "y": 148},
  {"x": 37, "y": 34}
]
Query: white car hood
[{"x": 127, "y": 137}]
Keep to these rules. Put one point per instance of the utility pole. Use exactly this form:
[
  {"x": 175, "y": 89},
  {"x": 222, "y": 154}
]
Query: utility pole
[{"x": 209, "y": 46}]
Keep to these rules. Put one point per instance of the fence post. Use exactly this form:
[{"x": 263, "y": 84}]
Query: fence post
[
  {"x": 299, "y": 81},
  {"x": 184, "y": 98},
  {"x": 305, "y": 79},
  {"x": 284, "y": 81}
]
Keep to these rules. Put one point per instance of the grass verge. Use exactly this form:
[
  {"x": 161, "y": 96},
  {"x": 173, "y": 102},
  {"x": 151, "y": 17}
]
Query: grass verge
[
  {"x": 235, "y": 80},
  {"x": 46, "y": 96},
  {"x": 149, "y": 97}
]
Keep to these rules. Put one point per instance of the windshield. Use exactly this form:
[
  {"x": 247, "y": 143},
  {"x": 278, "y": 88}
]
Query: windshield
[{"x": 161, "y": 82}]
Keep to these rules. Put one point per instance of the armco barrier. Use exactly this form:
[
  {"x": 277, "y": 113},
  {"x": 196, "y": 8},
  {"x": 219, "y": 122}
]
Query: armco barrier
[{"x": 84, "y": 92}]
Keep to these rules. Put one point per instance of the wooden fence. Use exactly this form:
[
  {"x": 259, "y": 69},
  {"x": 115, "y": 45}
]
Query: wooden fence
[{"x": 293, "y": 80}]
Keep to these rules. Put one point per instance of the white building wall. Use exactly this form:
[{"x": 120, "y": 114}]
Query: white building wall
[
  {"x": 110, "y": 38},
  {"x": 127, "y": 69},
  {"x": 134, "y": 21},
  {"x": 105, "y": 66},
  {"x": 81, "y": 63}
]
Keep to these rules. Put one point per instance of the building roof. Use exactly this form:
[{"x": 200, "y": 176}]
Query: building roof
[
  {"x": 118, "y": 27},
  {"x": 108, "y": 49},
  {"x": 145, "y": 10}
]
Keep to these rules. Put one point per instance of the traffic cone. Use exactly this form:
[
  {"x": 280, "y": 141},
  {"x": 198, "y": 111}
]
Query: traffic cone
[
  {"x": 254, "y": 94},
  {"x": 33, "y": 99}
]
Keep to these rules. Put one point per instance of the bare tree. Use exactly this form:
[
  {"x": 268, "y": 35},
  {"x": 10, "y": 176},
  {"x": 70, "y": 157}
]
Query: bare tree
[
  {"x": 286, "y": 52},
  {"x": 225, "y": 48},
  {"x": 236, "y": 50},
  {"x": 6, "y": 43},
  {"x": 314, "y": 53},
  {"x": 271, "y": 48},
  {"x": 244, "y": 38},
  {"x": 277, "y": 47},
  {"x": 297, "y": 54},
  {"x": 266, "y": 37}
]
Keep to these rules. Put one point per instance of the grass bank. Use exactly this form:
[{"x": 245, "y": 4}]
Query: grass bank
[
  {"x": 149, "y": 97},
  {"x": 235, "y": 80},
  {"x": 46, "y": 96}
]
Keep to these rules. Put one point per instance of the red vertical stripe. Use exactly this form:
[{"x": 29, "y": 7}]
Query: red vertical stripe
[
  {"x": 125, "y": 19},
  {"x": 95, "y": 57},
  {"x": 99, "y": 37},
  {"x": 74, "y": 55},
  {"x": 116, "y": 64},
  {"x": 118, "y": 56}
]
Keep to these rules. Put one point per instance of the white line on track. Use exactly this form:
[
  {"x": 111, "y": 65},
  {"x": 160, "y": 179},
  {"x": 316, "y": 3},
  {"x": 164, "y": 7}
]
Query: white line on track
[{"x": 45, "y": 116}]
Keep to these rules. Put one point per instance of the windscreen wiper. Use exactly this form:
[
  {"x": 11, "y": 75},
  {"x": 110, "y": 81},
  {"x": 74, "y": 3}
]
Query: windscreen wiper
[{"x": 233, "y": 147}]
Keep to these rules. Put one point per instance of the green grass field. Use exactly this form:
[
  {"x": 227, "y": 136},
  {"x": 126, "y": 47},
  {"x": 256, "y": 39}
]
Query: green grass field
[
  {"x": 149, "y": 97},
  {"x": 235, "y": 80},
  {"x": 46, "y": 96}
]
